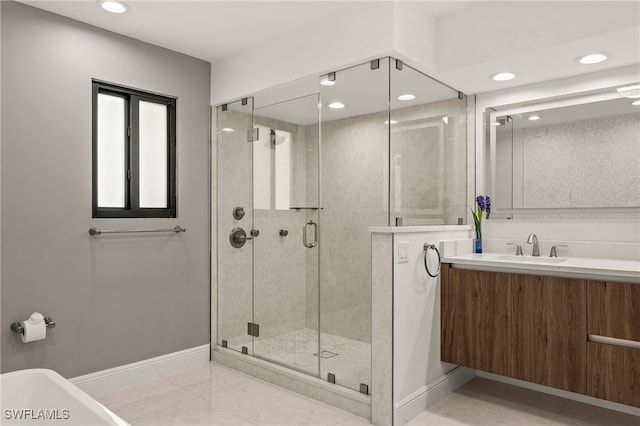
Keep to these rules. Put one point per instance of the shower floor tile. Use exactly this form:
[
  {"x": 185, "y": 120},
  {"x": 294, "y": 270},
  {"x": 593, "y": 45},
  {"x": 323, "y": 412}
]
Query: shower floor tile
[{"x": 299, "y": 349}]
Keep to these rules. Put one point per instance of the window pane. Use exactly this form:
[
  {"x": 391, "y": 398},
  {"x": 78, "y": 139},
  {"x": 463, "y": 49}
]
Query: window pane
[
  {"x": 111, "y": 151},
  {"x": 153, "y": 155}
]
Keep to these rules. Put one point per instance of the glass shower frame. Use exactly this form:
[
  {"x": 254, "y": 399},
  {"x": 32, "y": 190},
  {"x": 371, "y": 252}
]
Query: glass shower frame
[{"x": 342, "y": 213}]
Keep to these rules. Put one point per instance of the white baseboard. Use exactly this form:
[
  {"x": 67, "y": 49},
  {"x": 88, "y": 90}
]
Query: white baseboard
[
  {"x": 112, "y": 378},
  {"x": 563, "y": 394},
  {"x": 425, "y": 397}
]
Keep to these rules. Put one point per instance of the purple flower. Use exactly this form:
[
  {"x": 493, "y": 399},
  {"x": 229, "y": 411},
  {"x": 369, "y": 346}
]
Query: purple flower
[{"x": 484, "y": 203}]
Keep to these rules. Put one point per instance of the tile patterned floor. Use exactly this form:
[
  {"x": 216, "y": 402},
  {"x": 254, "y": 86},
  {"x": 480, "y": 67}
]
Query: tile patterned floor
[
  {"x": 483, "y": 402},
  {"x": 351, "y": 365},
  {"x": 210, "y": 394}
]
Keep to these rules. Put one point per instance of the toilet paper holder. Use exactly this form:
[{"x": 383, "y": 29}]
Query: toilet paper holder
[{"x": 16, "y": 327}]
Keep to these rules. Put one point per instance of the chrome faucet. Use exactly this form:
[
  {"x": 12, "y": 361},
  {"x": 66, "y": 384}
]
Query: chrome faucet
[
  {"x": 554, "y": 252},
  {"x": 518, "y": 248},
  {"x": 533, "y": 239}
]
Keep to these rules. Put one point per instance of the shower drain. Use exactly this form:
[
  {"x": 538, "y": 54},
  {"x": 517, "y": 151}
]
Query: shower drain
[{"x": 326, "y": 354}]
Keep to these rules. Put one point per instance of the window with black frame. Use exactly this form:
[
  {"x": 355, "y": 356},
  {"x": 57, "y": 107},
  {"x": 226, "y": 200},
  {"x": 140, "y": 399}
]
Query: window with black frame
[{"x": 134, "y": 153}]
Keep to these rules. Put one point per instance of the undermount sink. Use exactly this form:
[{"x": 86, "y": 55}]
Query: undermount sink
[{"x": 532, "y": 259}]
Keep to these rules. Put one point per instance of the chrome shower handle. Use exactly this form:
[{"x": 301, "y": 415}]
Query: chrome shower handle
[
  {"x": 238, "y": 237},
  {"x": 315, "y": 234}
]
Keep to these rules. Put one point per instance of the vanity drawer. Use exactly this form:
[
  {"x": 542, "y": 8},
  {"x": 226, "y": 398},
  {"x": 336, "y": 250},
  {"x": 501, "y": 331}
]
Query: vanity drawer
[
  {"x": 613, "y": 373},
  {"x": 614, "y": 310}
]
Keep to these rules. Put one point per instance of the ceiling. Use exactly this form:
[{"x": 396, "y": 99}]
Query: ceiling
[
  {"x": 205, "y": 29},
  {"x": 212, "y": 29},
  {"x": 537, "y": 40}
]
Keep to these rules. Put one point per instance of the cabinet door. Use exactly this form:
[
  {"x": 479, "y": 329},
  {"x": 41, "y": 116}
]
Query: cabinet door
[
  {"x": 614, "y": 373},
  {"x": 475, "y": 320},
  {"x": 549, "y": 331},
  {"x": 527, "y": 327},
  {"x": 614, "y": 310}
]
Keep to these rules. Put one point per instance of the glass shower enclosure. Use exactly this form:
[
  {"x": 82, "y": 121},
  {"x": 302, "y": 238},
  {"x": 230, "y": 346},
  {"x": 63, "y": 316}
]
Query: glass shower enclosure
[{"x": 303, "y": 171}]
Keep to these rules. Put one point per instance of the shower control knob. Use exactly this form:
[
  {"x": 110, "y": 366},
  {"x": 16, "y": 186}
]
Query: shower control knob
[
  {"x": 238, "y": 237},
  {"x": 238, "y": 213},
  {"x": 284, "y": 232}
]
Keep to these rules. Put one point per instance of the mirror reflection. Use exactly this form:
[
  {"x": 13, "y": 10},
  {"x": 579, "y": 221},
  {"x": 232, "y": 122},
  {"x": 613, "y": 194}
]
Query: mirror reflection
[{"x": 571, "y": 157}]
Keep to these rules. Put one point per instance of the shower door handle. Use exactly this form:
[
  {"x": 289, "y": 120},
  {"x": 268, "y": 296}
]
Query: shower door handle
[{"x": 313, "y": 243}]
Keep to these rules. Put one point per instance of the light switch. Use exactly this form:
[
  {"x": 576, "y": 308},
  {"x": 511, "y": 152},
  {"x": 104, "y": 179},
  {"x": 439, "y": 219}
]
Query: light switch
[{"x": 403, "y": 251}]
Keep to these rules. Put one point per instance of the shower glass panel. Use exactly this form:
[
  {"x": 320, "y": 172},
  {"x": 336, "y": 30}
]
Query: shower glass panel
[
  {"x": 285, "y": 260},
  {"x": 234, "y": 212},
  {"x": 294, "y": 281},
  {"x": 428, "y": 134},
  {"x": 354, "y": 195}
]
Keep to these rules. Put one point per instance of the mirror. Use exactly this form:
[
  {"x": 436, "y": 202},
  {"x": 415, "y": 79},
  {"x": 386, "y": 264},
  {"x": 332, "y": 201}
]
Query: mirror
[{"x": 577, "y": 157}]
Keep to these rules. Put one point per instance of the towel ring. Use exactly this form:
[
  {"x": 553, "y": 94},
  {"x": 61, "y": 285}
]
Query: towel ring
[{"x": 428, "y": 247}]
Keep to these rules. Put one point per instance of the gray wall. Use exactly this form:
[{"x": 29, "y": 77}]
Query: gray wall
[{"x": 116, "y": 299}]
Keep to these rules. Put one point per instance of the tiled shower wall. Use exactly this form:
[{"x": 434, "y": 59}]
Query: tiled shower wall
[
  {"x": 430, "y": 177},
  {"x": 354, "y": 188},
  {"x": 428, "y": 168}
]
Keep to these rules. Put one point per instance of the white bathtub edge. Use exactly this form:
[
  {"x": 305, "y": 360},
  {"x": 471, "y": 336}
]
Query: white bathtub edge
[{"x": 101, "y": 381}]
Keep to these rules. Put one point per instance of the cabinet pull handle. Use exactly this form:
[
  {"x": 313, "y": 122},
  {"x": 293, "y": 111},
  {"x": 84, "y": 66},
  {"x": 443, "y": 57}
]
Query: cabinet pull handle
[
  {"x": 428, "y": 247},
  {"x": 613, "y": 341}
]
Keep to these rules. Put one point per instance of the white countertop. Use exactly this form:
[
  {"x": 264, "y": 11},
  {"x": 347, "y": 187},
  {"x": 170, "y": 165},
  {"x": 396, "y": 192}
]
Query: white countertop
[{"x": 585, "y": 268}]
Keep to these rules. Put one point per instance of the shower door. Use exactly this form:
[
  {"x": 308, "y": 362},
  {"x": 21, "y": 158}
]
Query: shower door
[{"x": 285, "y": 211}]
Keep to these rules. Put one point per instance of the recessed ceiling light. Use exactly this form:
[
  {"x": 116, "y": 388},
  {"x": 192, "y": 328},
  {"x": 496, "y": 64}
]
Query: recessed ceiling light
[
  {"x": 406, "y": 97},
  {"x": 327, "y": 83},
  {"x": 592, "y": 58},
  {"x": 336, "y": 105},
  {"x": 113, "y": 6},
  {"x": 391, "y": 122},
  {"x": 497, "y": 123},
  {"x": 636, "y": 103},
  {"x": 630, "y": 91},
  {"x": 534, "y": 117},
  {"x": 503, "y": 76},
  {"x": 227, "y": 129},
  {"x": 445, "y": 119}
]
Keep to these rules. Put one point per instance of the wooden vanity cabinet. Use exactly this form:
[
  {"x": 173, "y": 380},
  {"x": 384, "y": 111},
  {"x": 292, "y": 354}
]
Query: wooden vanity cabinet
[
  {"x": 528, "y": 327},
  {"x": 545, "y": 330},
  {"x": 614, "y": 369}
]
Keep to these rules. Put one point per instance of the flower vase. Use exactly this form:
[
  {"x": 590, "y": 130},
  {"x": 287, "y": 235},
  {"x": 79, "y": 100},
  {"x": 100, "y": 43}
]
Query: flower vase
[{"x": 477, "y": 245}]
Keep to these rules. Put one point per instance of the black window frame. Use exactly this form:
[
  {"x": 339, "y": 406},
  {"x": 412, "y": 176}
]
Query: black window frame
[{"x": 132, "y": 207}]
